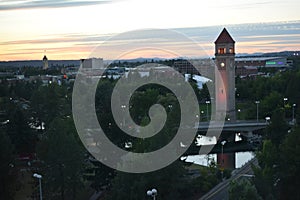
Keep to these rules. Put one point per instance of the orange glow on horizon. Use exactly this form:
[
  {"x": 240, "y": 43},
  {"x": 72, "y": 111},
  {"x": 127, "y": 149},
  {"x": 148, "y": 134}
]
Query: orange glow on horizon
[{"x": 63, "y": 48}]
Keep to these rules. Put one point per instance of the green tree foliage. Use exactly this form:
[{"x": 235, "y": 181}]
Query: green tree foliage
[
  {"x": 35, "y": 71},
  {"x": 101, "y": 176},
  {"x": 277, "y": 130},
  {"x": 169, "y": 182},
  {"x": 204, "y": 92},
  {"x": 243, "y": 190},
  {"x": 270, "y": 91},
  {"x": 277, "y": 176},
  {"x": 270, "y": 103},
  {"x": 24, "y": 138},
  {"x": 7, "y": 175},
  {"x": 209, "y": 177},
  {"x": 63, "y": 157},
  {"x": 49, "y": 102},
  {"x": 289, "y": 168},
  {"x": 293, "y": 87},
  {"x": 266, "y": 174}
]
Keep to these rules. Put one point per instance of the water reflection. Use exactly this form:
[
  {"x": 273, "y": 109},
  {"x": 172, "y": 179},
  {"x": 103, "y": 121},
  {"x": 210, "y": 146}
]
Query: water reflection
[{"x": 240, "y": 158}]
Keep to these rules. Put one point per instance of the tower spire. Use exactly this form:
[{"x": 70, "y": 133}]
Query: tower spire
[
  {"x": 225, "y": 88},
  {"x": 45, "y": 61},
  {"x": 224, "y": 37}
]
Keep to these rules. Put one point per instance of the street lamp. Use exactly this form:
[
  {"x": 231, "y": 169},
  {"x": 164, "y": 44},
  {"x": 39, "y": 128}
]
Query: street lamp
[
  {"x": 239, "y": 111},
  {"x": 207, "y": 102},
  {"x": 170, "y": 106},
  {"x": 284, "y": 101},
  {"x": 152, "y": 193},
  {"x": 38, "y": 176},
  {"x": 197, "y": 122},
  {"x": 268, "y": 119},
  {"x": 123, "y": 107},
  {"x": 294, "y": 105},
  {"x": 222, "y": 162},
  {"x": 257, "y": 102},
  {"x": 201, "y": 113}
]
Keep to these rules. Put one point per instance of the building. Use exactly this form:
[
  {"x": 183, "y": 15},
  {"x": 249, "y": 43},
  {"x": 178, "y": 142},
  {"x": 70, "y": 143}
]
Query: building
[
  {"x": 185, "y": 67},
  {"x": 225, "y": 75},
  {"x": 45, "y": 62},
  {"x": 203, "y": 67},
  {"x": 92, "y": 63},
  {"x": 247, "y": 66}
]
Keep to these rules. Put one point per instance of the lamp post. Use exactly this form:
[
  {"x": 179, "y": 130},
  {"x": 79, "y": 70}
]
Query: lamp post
[
  {"x": 207, "y": 102},
  {"x": 123, "y": 107},
  {"x": 201, "y": 114},
  {"x": 222, "y": 161},
  {"x": 170, "y": 106},
  {"x": 239, "y": 111},
  {"x": 152, "y": 193},
  {"x": 257, "y": 102},
  {"x": 38, "y": 176},
  {"x": 284, "y": 101},
  {"x": 294, "y": 105},
  {"x": 268, "y": 119}
]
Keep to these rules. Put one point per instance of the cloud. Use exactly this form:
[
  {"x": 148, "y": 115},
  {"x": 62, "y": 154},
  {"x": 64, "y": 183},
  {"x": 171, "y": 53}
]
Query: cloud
[
  {"x": 31, "y": 4},
  {"x": 250, "y": 38},
  {"x": 249, "y": 5}
]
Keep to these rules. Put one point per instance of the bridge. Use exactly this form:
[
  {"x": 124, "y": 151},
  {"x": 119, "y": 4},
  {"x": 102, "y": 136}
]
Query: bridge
[
  {"x": 226, "y": 152},
  {"x": 233, "y": 126}
]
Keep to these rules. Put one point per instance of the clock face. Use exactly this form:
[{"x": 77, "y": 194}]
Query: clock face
[{"x": 222, "y": 64}]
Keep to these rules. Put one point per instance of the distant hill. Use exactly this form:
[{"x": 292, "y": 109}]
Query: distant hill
[
  {"x": 38, "y": 63},
  {"x": 76, "y": 63},
  {"x": 271, "y": 54}
]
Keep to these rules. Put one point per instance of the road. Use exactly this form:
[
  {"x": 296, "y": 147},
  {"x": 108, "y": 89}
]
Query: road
[{"x": 220, "y": 192}]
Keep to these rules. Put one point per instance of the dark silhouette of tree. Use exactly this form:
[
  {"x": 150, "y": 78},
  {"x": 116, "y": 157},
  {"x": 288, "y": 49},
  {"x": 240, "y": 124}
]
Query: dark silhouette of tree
[
  {"x": 63, "y": 157},
  {"x": 243, "y": 190},
  {"x": 7, "y": 175},
  {"x": 289, "y": 168}
]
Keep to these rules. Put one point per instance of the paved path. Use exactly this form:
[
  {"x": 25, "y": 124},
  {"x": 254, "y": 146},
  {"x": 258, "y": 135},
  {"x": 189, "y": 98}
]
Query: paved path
[{"x": 220, "y": 192}]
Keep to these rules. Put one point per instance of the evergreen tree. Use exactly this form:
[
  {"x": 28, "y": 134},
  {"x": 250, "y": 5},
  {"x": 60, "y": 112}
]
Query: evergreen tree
[{"x": 63, "y": 156}]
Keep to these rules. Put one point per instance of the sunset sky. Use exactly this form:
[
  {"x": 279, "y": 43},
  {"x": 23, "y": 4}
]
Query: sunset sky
[{"x": 71, "y": 29}]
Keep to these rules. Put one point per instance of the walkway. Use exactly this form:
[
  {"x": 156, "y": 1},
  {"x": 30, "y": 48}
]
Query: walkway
[{"x": 220, "y": 192}]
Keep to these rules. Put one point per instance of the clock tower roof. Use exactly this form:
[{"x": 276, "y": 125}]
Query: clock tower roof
[{"x": 224, "y": 37}]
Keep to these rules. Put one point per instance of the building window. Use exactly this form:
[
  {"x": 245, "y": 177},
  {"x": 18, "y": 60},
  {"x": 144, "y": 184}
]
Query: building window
[
  {"x": 221, "y": 51},
  {"x": 231, "y": 50}
]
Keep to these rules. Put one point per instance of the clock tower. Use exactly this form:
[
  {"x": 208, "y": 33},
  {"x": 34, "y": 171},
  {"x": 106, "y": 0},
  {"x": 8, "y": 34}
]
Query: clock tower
[{"x": 225, "y": 88}]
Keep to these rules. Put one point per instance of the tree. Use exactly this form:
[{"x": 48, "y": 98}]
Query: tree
[
  {"x": 101, "y": 180},
  {"x": 168, "y": 181},
  {"x": 7, "y": 177},
  {"x": 22, "y": 136},
  {"x": 271, "y": 103},
  {"x": 63, "y": 156},
  {"x": 49, "y": 102},
  {"x": 278, "y": 127},
  {"x": 289, "y": 168},
  {"x": 243, "y": 190},
  {"x": 266, "y": 174}
]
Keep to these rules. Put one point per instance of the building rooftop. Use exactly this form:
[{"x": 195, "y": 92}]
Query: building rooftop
[
  {"x": 255, "y": 58},
  {"x": 224, "y": 37}
]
